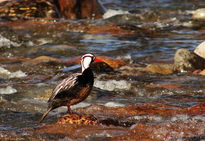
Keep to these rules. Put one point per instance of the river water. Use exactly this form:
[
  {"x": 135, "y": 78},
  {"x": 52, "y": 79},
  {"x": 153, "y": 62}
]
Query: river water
[{"x": 150, "y": 32}]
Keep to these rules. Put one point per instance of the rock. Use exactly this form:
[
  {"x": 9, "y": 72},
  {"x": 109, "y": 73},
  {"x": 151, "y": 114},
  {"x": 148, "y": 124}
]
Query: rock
[
  {"x": 200, "y": 50},
  {"x": 114, "y": 63},
  {"x": 131, "y": 122},
  {"x": 159, "y": 68},
  {"x": 77, "y": 119},
  {"x": 202, "y": 72},
  {"x": 110, "y": 29},
  {"x": 166, "y": 86},
  {"x": 192, "y": 130},
  {"x": 101, "y": 67},
  {"x": 68, "y": 9},
  {"x": 185, "y": 60},
  {"x": 41, "y": 59},
  {"x": 126, "y": 111},
  {"x": 74, "y": 9},
  {"x": 199, "y": 14},
  {"x": 196, "y": 109},
  {"x": 26, "y": 9}
]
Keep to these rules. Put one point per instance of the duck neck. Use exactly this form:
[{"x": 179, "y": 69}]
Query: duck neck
[
  {"x": 87, "y": 77},
  {"x": 88, "y": 72}
]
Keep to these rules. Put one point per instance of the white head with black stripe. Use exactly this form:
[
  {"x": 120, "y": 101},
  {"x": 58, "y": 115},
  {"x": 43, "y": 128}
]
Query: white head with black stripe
[{"x": 87, "y": 59}]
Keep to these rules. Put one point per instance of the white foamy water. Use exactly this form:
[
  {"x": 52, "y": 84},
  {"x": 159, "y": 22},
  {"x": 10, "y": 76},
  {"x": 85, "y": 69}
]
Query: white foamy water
[
  {"x": 113, "y": 104},
  {"x": 4, "y": 73},
  {"x": 4, "y": 42},
  {"x": 111, "y": 85},
  {"x": 110, "y": 13},
  {"x": 7, "y": 90},
  {"x": 80, "y": 105}
]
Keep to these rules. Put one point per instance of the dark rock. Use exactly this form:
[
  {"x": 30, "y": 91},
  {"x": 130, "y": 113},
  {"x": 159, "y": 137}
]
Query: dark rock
[{"x": 101, "y": 67}]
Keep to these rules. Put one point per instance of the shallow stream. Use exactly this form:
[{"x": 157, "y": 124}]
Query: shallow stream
[{"x": 149, "y": 32}]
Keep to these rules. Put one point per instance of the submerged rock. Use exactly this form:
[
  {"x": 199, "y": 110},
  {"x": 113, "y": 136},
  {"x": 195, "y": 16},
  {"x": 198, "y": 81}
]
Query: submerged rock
[
  {"x": 159, "y": 68},
  {"x": 114, "y": 63},
  {"x": 41, "y": 59}
]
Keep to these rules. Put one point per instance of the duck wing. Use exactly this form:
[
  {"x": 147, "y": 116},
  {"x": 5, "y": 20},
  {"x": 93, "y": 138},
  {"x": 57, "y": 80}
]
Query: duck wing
[{"x": 65, "y": 85}]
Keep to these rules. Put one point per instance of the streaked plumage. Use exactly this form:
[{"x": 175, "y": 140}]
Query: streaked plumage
[{"x": 74, "y": 88}]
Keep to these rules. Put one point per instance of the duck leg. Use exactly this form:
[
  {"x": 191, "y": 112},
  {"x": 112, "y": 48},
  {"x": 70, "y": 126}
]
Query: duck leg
[{"x": 69, "y": 109}]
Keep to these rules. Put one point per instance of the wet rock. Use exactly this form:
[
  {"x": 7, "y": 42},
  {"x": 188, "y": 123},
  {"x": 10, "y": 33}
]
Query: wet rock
[
  {"x": 74, "y": 9},
  {"x": 83, "y": 132},
  {"x": 41, "y": 59},
  {"x": 128, "y": 110},
  {"x": 90, "y": 120},
  {"x": 133, "y": 69},
  {"x": 200, "y": 50},
  {"x": 159, "y": 68},
  {"x": 108, "y": 29},
  {"x": 167, "y": 131},
  {"x": 199, "y": 14},
  {"x": 77, "y": 119},
  {"x": 68, "y": 9},
  {"x": 114, "y": 63},
  {"x": 12, "y": 60},
  {"x": 201, "y": 72},
  {"x": 196, "y": 109},
  {"x": 166, "y": 86},
  {"x": 175, "y": 122},
  {"x": 101, "y": 67},
  {"x": 185, "y": 60},
  {"x": 25, "y": 9}
]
